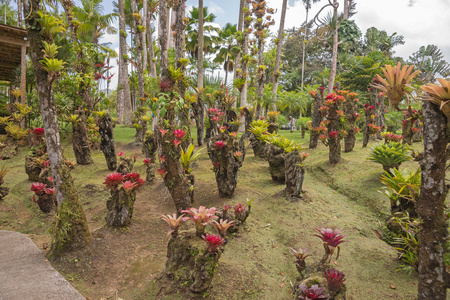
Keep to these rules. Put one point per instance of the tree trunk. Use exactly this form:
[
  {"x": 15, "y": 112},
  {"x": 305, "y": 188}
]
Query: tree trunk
[
  {"x": 144, "y": 35},
  {"x": 120, "y": 208},
  {"x": 19, "y": 13},
  {"x": 295, "y": 173},
  {"x": 431, "y": 205},
  {"x": 260, "y": 78},
  {"x": 304, "y": 51},
  {"x": 350, "y": 111},
  {"x": 237, "y": 60},
  {"x": 107, "y": 141},
  {"x": 316, "y": 119},
  {"x": 71, "y": 230},
  {"x": 276, "y": 158},
  {"x": 335, "y": 50},
  {"x": 226, "y": 164},
  {"x": 124, "y": 101},
  {"x": 151, "y": 49},
  {"x": 276, "y": 71},
  {"x": 244, "y": 60},
  {"x": 334, "y": 144},
  {"x": 80, "y": 143},
  {"x": 139, "y": 38},
  {"x": 200, "y": 106}
]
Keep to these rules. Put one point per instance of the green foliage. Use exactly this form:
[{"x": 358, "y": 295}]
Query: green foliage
[
  {"x": 14, "y": 131},
  {"x": 50, "y": 50},
  {"x": 188, "y": 157},
  {"x": 390, "y": 154},
  {"x": 282, "y": 142},
  {"x": 259, "y": 128},
  {"x": 403, "y": 184},
  {"x": 50, "y": 25}
]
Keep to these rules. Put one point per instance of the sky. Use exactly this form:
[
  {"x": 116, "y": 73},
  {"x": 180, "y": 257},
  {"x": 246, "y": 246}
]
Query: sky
[{"x": 422, "y": 23}]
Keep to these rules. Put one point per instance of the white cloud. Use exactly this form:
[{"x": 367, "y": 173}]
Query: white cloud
[{"x": 215, "y": 9}]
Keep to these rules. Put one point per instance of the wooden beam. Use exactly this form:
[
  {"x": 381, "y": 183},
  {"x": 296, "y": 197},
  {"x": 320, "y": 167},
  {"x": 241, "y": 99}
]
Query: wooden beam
[
  {"x": 23, "y": 72},
  {"x": 14, "y": 41}
]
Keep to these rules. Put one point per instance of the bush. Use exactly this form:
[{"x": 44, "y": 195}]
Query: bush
[{"x": 390, "y": 155}]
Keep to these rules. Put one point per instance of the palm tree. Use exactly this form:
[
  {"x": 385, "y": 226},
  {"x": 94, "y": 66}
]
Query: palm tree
[
  {"x": 123, "y": 96},
  {"x": 200, "y": 109},
  {"x": 276, "y": 71},
  {"x": 93, "y": 23},
  {"x": 228, "y": 48},
  {"x": 210, "y": 37},
  {"x": 152, "y": 9},
  {"x": 376, "y": 40},
  {"x": 307, "y": 4}
]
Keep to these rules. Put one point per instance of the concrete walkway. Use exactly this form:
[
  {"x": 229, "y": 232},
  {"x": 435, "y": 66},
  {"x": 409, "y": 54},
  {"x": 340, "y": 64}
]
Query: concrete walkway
[{"x": 25, "y": 275}]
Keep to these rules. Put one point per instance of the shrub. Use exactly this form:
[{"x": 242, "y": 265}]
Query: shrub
[{"x": 390, "y": 155}]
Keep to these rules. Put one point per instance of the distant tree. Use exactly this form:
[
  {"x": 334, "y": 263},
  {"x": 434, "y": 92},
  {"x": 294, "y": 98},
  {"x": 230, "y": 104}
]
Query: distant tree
[
  {"x": 227, "y": 48},
  {"x": 279, "y": 40},
  {"x": 376, "y": 40},
  {"x": 429, "y": 60},
  {"x": 307, "y": 4}
]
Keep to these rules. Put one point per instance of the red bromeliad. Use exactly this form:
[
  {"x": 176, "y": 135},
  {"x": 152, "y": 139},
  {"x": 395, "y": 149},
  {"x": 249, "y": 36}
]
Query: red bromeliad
[
  {"x": 135, "y": 178},
  {"x": 113, "y": 180},
  {"x": 38, "y": 131},
  {"x": 201, "y": 217},
  {"x": 147, "y": 161},
  {"x": 333, "y": 135},
  {"x": 314, "y": 292},
  {"x": 331, "y": 240},
  {"x": 334, "y": 279},
  {"x": 214, "y": 241},
  {"x": 219, "y": 144},
  {"x": 179, "y": 134}
]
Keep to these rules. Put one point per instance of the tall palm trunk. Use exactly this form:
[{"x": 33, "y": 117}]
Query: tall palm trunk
[
  {"x": 180, "y": 29},
  {"x": 276, "y": 71},
  {"x": 304, "y": 47},
  {"x": 237, "y": 60},
  {"x": 151, "y": 49},
  {"x": 140, "y": 68},
  {"x": 163, "y": 36},
  {"x": 260, "y": 77},
  {"x": 335, "y": 48},
  {"x": 200, "y": 106},
  {"x": 19, "y": 13},
  {"x": 144, "y": 39},
  {"x": 71, "y": 230},
  {"x": 124, "y": 95},
  {"x": 244, "y": 63}
]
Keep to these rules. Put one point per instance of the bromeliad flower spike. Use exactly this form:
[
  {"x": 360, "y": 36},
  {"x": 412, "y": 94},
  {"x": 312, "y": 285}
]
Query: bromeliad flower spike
[{"x": 331, "y": 240}]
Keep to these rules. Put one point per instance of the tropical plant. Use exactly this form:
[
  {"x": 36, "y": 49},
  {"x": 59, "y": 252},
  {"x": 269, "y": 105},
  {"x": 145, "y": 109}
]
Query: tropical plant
[
  {"x": 213, "y": 241},
  {"x": 390, "y": 155},
  {"x": 201, "y": 217},
  {"x": 300, "y": 256},
  {"x": 331, "y": 240},
  {"x": 334, "y": 280},
  {"x": 401, "y": 186},
  {"x": 259, "y": 127},
  {"x": 174, "y": 223},
  {"x": 314, "y": 292},
  {"x": 222, "y": 226},
  {"x": 397, "y": 79},
  {"x": 3, "y": 172},
  {"x": 14, "y": 131},
  {"x": 188, "y": 157},
  {"x": 439, "y": 95},
  {"x": 407, "y": 241}
]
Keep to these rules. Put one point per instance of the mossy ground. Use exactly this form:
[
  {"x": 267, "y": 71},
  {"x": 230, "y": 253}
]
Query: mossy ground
[{"x": 256, "y": 263}]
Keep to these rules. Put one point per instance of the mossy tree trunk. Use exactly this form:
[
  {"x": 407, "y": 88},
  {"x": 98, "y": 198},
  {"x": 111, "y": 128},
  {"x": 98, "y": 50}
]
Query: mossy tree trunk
[
  {"x": 350, "y": 111},
  {"x": 107, "y": 146},
  {"x": 407, "y": 124},
  {"x": 120, "y": 208},
  {"x": 369, "y": 116},
  {"x": 80, "y": 141},
  {"x": 276, "y": 158},
  {"x": 295, "y": 173},
  {"x": 316, "y": 119},
  {"x": 189, "y": 262},
  {"x": 431, "y": 206},
  {"x": 334, "y": 144},
  {"x": 71, "y": 230},
  {"x": 228, "y": 164}
]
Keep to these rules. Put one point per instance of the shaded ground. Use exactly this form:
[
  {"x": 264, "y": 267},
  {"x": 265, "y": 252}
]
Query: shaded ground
[{"x": 256, "y": 263}]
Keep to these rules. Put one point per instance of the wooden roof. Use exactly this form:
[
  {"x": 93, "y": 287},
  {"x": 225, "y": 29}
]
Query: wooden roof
[{"x": 11, "y": 41}]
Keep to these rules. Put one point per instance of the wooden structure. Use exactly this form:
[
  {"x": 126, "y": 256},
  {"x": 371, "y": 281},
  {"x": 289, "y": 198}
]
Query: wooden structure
[{"x": 13, "y": 53}]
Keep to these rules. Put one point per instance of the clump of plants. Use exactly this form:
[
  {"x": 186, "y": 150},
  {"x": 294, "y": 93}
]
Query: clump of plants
[
  {"x": 391, "y": 137},
  {"x": 123, "y": 195},
  {"x": 235, "y": 215},
  {"x": 258, "y": 128},
  {"x": 46, "y": 197},
  {"x": 390, "y": 155},
  {"x": 273, "y": 125},
  {"x": 126, "y": 164},
  {"x": 4, "y": 191},
  {"x": 325, "y": 284},
  {"x": 316, "y": 116},
  {"x": 351, "y": 117},
  {"x": 410, "y": 119}
]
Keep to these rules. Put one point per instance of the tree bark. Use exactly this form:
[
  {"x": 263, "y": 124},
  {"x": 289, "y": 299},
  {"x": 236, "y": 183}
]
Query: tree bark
[
  {"x": 431, "y": 205},
  {"x": 151, "y": 48},
  {"x": 80, "y": 143},
  {"x": 276, "y": 158},
  {"x": 237, "y": 60},
  {"x": 163, "y": 37},
  {"x": 335, "y": 49},
  {"x": 244, "y": 60},
  {"x": 144, "y": 35},
  {"x": 71, "y": 230},
  {"x": 260, "y": 78},
  {"x": 200, "y": 105},
  {"x": 107, "y": 141},
  {"x": 276, "y": 71},
  {"x": 295, "y": 173},
  {"x": 316, "y": 119},
  {"x": 124, "y": 95},
  {"x": 120, "y": 208}
]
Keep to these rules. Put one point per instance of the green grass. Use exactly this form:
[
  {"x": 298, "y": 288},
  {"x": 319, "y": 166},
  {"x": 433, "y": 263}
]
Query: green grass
[{"x": 256, "y": 263}]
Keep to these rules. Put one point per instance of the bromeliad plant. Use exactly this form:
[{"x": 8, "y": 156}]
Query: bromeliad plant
[
  {"x": 331, "y": 240},
  {"x": 213, "y": 241},
  {"x": 314, "y": 292},
  {"x": 334, "y": 280},
  {"x": 188, "y": 157},
  {"x": 46, "y": 196},
  {"x": 200, "y": 217},
  {"x": 390, "y": 155},
  {"x": 174, "y": 222},
  {"x": 123, "y": 194},
  {"x": 300, "y": 257},
  {"x": 222, "y": 226}
]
